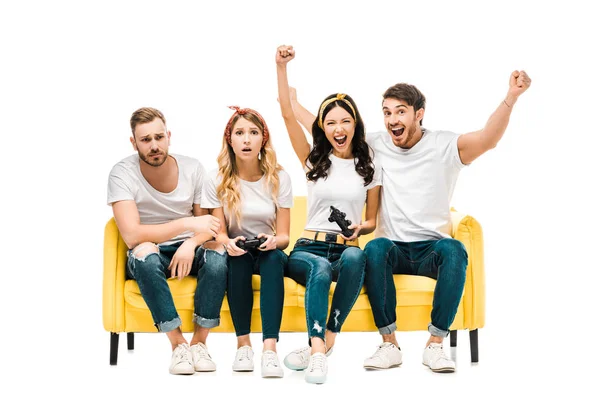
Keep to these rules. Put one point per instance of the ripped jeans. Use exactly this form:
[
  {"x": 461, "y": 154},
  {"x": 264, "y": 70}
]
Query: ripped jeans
[
  {"x": 151, "y": 272},
  {"x": 315, "y": 265}
]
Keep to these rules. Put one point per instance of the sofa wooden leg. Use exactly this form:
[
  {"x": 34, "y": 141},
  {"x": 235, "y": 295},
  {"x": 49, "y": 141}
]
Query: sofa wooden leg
[
  {"x": 114, "y": 347},
  {"x": 129, "y": 340},
  {"x": 453, "y": 338},
  {"x": 473, "y": 336}
]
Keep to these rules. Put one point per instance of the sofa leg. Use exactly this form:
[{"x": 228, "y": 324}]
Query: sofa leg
[
  {"x": 453, "y": 338},
  {"x": 129, "y": 340},
  {"x": 473, "y": 336},
  {"x": 114, "y": 347}
]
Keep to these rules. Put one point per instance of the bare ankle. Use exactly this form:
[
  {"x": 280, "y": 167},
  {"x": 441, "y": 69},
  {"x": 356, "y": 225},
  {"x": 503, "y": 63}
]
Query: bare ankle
[
  {"x": 317, "y": 345},
  {"x": 270, "y": 345},
  {"x": 390, "y": 338},
  {"x": 434, "y": 339},
  {"x": 329, "y": 340}
]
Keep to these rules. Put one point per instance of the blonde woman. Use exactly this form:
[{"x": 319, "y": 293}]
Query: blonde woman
[{"x": 252, "y": 196}]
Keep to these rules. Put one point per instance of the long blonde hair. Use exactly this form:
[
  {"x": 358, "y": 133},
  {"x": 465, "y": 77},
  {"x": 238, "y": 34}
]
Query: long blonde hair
[{"x": 228, "y": 190}]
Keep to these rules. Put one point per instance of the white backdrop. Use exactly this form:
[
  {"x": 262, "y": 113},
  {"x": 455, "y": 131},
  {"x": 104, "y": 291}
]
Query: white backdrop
[{"x": 73, "y": 72}]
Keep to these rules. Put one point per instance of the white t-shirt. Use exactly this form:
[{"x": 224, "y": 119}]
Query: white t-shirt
[
  {"x": 126, "y": 182},
  {"x": 344, "y": 189},
  {"x": 258, "y": 210},
  {"x": 417, "y": 185}
]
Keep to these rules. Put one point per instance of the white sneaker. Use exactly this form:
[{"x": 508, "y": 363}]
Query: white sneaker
[
  {"x": 386, "y": 356},
  {"x": 316, "y": 372},
  {"x": 435, "y": 358},
  {"x": 297, "y": 360},
  {"x": 181, "y": 360},
  {"x": 202, "y": 360},
  {"x": 244, "y": 359},
  {"x": 269, "y": 365}
]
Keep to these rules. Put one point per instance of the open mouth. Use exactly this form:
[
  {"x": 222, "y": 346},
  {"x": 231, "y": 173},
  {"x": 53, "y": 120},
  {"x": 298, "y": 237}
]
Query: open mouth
[
  {"x": 246, "y": 150},
  {"x": 340, "y": 141},
  {"x": 397, "y": 132}
]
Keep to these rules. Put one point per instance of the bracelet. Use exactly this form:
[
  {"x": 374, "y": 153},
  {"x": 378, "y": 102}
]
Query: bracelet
[{"x": 506, "y": 103}]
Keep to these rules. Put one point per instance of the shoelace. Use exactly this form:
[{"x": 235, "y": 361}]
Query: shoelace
[
  {"x": 439, "y": 354},
  {"x": 270, "y": 360},
  {"x": 244, "y": 354},
  {"x": 202, "y": 352},
  {"x": 381, "y": 349},
  {"x": 182, "y": 353},
  {"x": 302, "y": 353},
  {"x": 318, "y": 362}
]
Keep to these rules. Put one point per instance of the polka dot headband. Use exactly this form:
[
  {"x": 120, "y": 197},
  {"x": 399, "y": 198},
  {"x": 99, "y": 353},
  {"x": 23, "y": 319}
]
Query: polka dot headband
[{"x": 242, "y": 111}]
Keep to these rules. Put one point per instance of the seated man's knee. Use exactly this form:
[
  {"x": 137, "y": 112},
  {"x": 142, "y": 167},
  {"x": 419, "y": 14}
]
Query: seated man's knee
[
  {"x": 143, "y": 250},
  {"x": 454, "y": 250},
  {"x": 212, "y": 245},
  {"x": 378, "y": 246},
  {"x": 215, "y": 263},
  {"x": 144, "y": 261},
  {"x": 450, "y": 248},
  {"x": 376, "y": 254}
]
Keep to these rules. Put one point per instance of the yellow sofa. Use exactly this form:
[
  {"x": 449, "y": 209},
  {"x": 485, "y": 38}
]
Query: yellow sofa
[{"x": 124, "y": 309}]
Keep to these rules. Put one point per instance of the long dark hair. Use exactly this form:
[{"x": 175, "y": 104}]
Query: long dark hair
[{"x": 318, "y": 158}]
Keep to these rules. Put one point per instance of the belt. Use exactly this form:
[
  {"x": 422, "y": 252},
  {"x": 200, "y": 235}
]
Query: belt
[{"x": 329, "y": 238}]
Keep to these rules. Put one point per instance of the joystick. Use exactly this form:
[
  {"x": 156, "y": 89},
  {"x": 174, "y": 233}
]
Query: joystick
[
  {"x": 340, "y": 218},
  {"x": 250, "y": 243}
]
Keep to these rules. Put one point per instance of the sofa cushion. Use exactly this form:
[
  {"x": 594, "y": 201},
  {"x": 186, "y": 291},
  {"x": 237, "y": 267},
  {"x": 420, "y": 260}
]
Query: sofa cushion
[
  {"x": 183, "y": 293},
  {"x": 410, "y": 291}
]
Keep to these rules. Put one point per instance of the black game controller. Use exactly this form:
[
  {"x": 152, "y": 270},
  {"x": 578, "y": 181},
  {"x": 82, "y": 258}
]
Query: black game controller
[
  {"x": 340, "y": 219},
  {"x": 250, "y": 243}
]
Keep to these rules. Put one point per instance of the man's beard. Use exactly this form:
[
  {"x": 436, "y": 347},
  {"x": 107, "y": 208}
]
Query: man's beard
[
  {"x": 407, "y": 135},
  {"x": 150, "y": 160}
]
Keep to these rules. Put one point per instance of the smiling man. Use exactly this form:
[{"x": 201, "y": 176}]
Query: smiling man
[
  {"x": 419, "y": 172},
  {"x": 420, "y": 168}
]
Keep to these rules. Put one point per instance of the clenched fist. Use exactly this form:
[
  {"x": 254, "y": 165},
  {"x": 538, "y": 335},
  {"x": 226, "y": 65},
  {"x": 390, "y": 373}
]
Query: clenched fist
[
  {"x": 518, "y": 83},
  {"x": 284, "y": 54}
]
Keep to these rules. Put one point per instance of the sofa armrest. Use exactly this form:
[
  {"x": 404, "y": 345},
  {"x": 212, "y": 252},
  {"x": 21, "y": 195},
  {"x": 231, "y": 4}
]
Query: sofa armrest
[
  {"x": 113, "y": 285},
  {"x": 468, "y": 231}
]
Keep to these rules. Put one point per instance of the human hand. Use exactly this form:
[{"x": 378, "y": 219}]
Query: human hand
[
  {"x": 518, "y": 83},
  {"x": 232, "y": 248},
  {"x": 356, "y": 229},
  {"x": 203, "y": 224},
  {"x": 269, "y": 244},
  {"x": 284, "y": 54},
  {"x": 181, "y": 263}
]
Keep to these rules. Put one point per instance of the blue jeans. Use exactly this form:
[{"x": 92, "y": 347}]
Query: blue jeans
[
  {"x": 315, "y": 265},
  {"x": 444, "y": 260},
  {"x": 151, "y": 273},
  {"x": 270, "y": 265}
]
